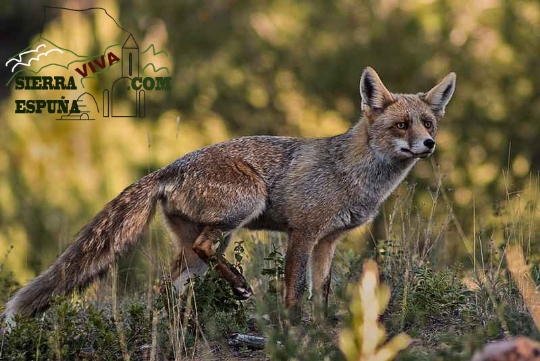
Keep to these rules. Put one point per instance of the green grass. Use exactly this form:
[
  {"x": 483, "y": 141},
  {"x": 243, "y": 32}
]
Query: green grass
[{"x": 449, "y": 308}]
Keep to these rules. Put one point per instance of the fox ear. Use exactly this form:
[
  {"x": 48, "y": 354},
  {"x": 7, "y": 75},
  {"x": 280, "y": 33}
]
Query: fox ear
[
  {"x": 374, "y": 94},
  {"x": 439, "y": 96}
]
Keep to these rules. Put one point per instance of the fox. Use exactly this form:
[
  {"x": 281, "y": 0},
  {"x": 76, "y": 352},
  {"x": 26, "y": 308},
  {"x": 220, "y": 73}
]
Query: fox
[{"x": 313, "y": 189}]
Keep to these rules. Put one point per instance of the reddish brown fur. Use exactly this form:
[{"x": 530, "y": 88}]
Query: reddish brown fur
[{"x": 313, "y": 189}]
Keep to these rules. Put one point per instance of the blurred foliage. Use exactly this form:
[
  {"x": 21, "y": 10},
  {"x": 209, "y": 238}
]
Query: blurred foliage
[
  {"x": 365, "y": 340},
  {"x": 74, "y": 330},
  {"x": 450, "y": 312},
  {"x": 281, "y": 67}
]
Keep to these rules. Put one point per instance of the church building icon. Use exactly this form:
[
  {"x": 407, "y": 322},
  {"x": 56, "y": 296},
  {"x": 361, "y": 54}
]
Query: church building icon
[{"x": 121, "y": 88}]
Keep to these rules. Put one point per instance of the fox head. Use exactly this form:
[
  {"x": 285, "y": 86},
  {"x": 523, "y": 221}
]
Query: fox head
[{"x": 403, "y": 126}]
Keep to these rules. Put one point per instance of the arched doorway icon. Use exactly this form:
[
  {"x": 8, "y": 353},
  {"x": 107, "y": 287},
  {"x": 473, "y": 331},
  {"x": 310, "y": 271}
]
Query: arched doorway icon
[{"x": 122, "y": 86}]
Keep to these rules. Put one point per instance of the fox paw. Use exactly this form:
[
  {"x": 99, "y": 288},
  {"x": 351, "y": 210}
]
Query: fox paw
[{"x": 242, "y": 291}]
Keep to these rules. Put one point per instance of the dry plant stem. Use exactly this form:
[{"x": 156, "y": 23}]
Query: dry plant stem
[
  {"x": 520, "y": 273},
  {"x": 178, "y": 312},
  {"x": 150, "y": 253},
  {"x": 198, "y": 330},
  {"x": 448, "y": 203},
  {"x": 153, "y": 350},
  {"x": 480, "y": 274},
  {"x": 405, "y": 298},
  {"x": 38, "y": 355},
  {"x": 3, "y": 343},
  {"x": 176, "y": 332},
  {"x": 57, "y": 350},
  {"x": 150, "y": 275},
  {"x": 174, "y": 322},
  {"x": 117, "y": 318}
]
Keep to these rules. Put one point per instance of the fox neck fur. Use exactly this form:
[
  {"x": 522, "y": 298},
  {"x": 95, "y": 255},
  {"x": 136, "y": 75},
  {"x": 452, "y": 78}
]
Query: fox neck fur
[
  {"x": 367, "y": 170},
  {"x": 371, "y": 176}
]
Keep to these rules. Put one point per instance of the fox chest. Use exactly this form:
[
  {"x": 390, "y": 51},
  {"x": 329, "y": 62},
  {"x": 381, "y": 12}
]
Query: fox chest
[
  {"x": 364, "y": 205},
  {"x": 356, "y": 212}
]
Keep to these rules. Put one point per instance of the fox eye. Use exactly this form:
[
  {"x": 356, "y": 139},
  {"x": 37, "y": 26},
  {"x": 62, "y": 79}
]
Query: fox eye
[
  {"x": 428, "y": 124},
  {"x": 402, "y": 125}
]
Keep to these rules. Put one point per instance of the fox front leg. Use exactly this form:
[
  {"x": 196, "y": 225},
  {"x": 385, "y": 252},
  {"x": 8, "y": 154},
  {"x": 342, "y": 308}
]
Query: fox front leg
[
  {"x": 203, "y": 247},
  {"x": 321, "y": 268},
  {"x": 299, "y": 250}
]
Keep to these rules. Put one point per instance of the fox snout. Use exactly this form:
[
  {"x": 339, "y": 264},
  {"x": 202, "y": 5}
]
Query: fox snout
[{"x": 423, "y": 148}]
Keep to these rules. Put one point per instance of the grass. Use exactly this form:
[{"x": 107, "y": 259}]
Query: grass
[{"x": 449, "y": 308}]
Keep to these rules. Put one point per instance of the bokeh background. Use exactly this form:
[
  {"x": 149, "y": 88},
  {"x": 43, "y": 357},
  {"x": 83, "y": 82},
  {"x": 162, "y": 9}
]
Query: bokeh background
[{"x": 281, "y": 67}]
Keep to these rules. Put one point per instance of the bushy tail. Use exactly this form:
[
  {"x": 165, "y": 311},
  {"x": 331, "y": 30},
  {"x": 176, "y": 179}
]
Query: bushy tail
[{"x": 111, "y": 233}]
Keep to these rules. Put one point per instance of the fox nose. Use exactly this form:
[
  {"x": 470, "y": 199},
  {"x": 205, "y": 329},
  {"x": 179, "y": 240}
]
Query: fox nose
[{"x": 430, "y": 143}]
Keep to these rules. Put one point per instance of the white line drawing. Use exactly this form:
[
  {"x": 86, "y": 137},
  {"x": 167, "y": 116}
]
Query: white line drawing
[
  {"x": 26, "y": 52},
  {"x": 36, "y": 58}
]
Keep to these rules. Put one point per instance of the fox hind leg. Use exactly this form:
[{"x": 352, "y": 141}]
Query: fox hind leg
[
  {"x": 186, "y": 263},
  {"x": 221, "y": 194},
  {"x": 205, "y": 249}
]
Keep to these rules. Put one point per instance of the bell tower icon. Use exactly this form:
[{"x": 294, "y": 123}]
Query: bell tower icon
[
  {"x": 122, "y": 87},
  {"x": 130, "y": 58}
]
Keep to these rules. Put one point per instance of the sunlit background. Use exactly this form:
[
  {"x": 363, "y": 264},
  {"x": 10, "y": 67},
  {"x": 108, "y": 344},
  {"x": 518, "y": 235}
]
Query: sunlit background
[{"x": 282, "y": 67}]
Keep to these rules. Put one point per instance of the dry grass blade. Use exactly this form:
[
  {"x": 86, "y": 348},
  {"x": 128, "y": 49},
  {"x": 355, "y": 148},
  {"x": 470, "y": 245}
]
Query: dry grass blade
[{"x": 520, "y": 273}]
